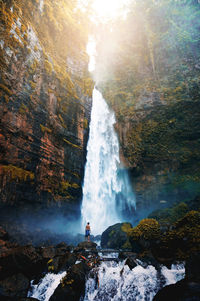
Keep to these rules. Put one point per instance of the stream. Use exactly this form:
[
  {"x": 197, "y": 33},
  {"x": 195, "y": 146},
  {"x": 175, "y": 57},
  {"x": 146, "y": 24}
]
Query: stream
[{"x": 115, "y": 281}]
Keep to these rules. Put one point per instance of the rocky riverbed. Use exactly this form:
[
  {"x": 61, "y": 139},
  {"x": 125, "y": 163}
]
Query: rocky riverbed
[{"x": 81, "y": 270}]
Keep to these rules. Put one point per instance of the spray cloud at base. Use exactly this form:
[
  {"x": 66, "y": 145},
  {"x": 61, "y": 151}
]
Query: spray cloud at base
[{"x": 44, "y": 227}]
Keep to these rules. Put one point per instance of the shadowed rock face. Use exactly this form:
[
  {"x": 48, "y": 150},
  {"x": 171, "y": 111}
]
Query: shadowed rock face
[
  {"x": 116, "y": 236},
  {"x": 45, "y": 103}
]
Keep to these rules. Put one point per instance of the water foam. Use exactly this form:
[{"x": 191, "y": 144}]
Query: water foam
[
  {"x": 46, "y": 287},
  {"x": 116, "y": 282}
]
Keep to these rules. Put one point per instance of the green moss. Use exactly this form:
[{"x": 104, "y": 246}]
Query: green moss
[
  {"x": 170, "y": 215},
  {"x": 111, "y": 233},
  {"x": 62, "y": 121},
  {"x": 35, "y": 48},
  {"x": 33, "y": 85},
  {"x": 48, "y": 67},
  {"x": 17, "y": 173},
  {"x": 51, "y": 268},
  {"x": 85, "y": 123},
  {"x": 50, "y": 261},
  {"x": 126, "y": 227},
  {"x": 45, "y": 129},
  {"x": 148, "y": 229},
  {"x": 33, "y": 66},
  {"x": 126, "y": 245},
  {"x": 65, "y": 185},
  {"x": 23, "y": 109},
  {"x": 5, "y": 89},
  {"x": 72, "y": 144},
  {"x": 6, "y": 97},
  {"x": 184, "y": 239}
]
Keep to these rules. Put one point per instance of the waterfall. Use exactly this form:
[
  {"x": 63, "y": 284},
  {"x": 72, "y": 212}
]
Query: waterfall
[
  {"x": 107, "y": 194},
  {"x": 116, "y": 282}
]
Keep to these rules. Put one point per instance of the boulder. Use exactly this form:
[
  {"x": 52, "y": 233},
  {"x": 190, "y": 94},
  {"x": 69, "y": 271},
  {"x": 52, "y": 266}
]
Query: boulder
[
  {"x": 181, "y": 291},
  {"x": 87, "y": 245},
  {"x": 72, "y": 286},
  {"x": 25, "y": 260},
  {"x": 131, "y": 263},
  {"x": 62, "y": 248},
  {"x": 144, "y": 235},
  {"x": 187, "y": 289},
  {"x": 14, "y": 286},
  {"x": 61, "y": 263},
  {"x": 84, "y": 248},
  {"x": 116, "y": 236}
]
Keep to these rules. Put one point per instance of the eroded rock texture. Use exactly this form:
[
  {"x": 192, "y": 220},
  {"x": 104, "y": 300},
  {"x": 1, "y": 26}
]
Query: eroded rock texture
[{"x": 45, "y": 104}]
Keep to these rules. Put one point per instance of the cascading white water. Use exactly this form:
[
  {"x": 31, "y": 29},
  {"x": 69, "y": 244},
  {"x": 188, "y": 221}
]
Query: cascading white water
[
  {"x": 46, "y": 287},
  {"x": 106, "y": 190},
  {"x": 116, "y": 282}
]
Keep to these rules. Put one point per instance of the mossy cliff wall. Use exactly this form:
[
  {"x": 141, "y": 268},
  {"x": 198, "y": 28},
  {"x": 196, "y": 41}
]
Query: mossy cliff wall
[
  {"x": 45, "y": 103},
  {"x": 149, "y": 73}
]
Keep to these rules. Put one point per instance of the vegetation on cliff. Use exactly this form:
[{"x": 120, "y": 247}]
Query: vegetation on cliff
[
  {"x": 165, "y": 236},
  {"x": 45, "y": 92},
  {"x": 149, "y": 73},
  {"x": 176, "y": 240}
]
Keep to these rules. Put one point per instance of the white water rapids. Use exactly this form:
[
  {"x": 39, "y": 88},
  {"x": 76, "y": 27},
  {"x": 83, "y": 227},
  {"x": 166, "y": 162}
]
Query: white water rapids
[
  {"x": 46, "y": 287},
  {"x": 116, "y": 282},
  {"x": 107, "y": 194}
]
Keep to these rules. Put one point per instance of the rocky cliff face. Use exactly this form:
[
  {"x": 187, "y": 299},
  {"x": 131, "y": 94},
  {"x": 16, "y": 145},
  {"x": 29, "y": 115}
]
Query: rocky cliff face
[
  {"x": 149, "y": 73},
  {"x": 45, "y": 104}
]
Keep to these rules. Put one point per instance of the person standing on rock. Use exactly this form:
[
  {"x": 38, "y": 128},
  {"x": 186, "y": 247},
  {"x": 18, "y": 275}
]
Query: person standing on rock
[{"x": 87, "y": 231}]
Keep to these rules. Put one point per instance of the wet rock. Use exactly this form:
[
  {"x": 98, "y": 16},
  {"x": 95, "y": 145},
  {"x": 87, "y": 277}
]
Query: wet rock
[
  {"x": 131, "y": 263},
  {"x": 61, "y": 263},
  {"x": 147, "y": 258},
  {"x": 14, "y": 286},
  {"x": 85, "y": 248},
  {"x": 192, "y": 268},
  {"x": 3, "y": 234},
  {"x": 5, "y": 298},
  {"x": 124, "y": 255},
  {"x": 181, "y": 291},
  {"x": 115, "y": 237},
  {"x": 25, "y": 260},
  {"x": 72, "y": 286},
  {"x": 62, "y": 248},
  {"x": 48, "y": 252},
  {"x": 87, "y": 245},
  {"x": 27, "y": 299}
]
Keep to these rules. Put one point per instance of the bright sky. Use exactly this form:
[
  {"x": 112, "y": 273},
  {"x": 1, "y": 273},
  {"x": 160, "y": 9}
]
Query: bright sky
[
  {"x": 104, "y": 10},
  {"x": 91, "y": 50},
  {"x": 108, "y": 8}
]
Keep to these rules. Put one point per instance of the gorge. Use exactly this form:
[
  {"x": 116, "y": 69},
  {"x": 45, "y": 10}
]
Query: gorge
[{"x": 118, "y": 146}]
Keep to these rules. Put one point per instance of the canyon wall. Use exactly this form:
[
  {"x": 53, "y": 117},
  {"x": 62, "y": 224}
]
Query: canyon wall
[
  {"x": 149, "y": 73},
  {"x": 45, "y": 105}
]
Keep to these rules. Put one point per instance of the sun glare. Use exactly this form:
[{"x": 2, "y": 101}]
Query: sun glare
[
  {"x": 91, "y": 50},
  {"x": 108, "y": 8}
]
